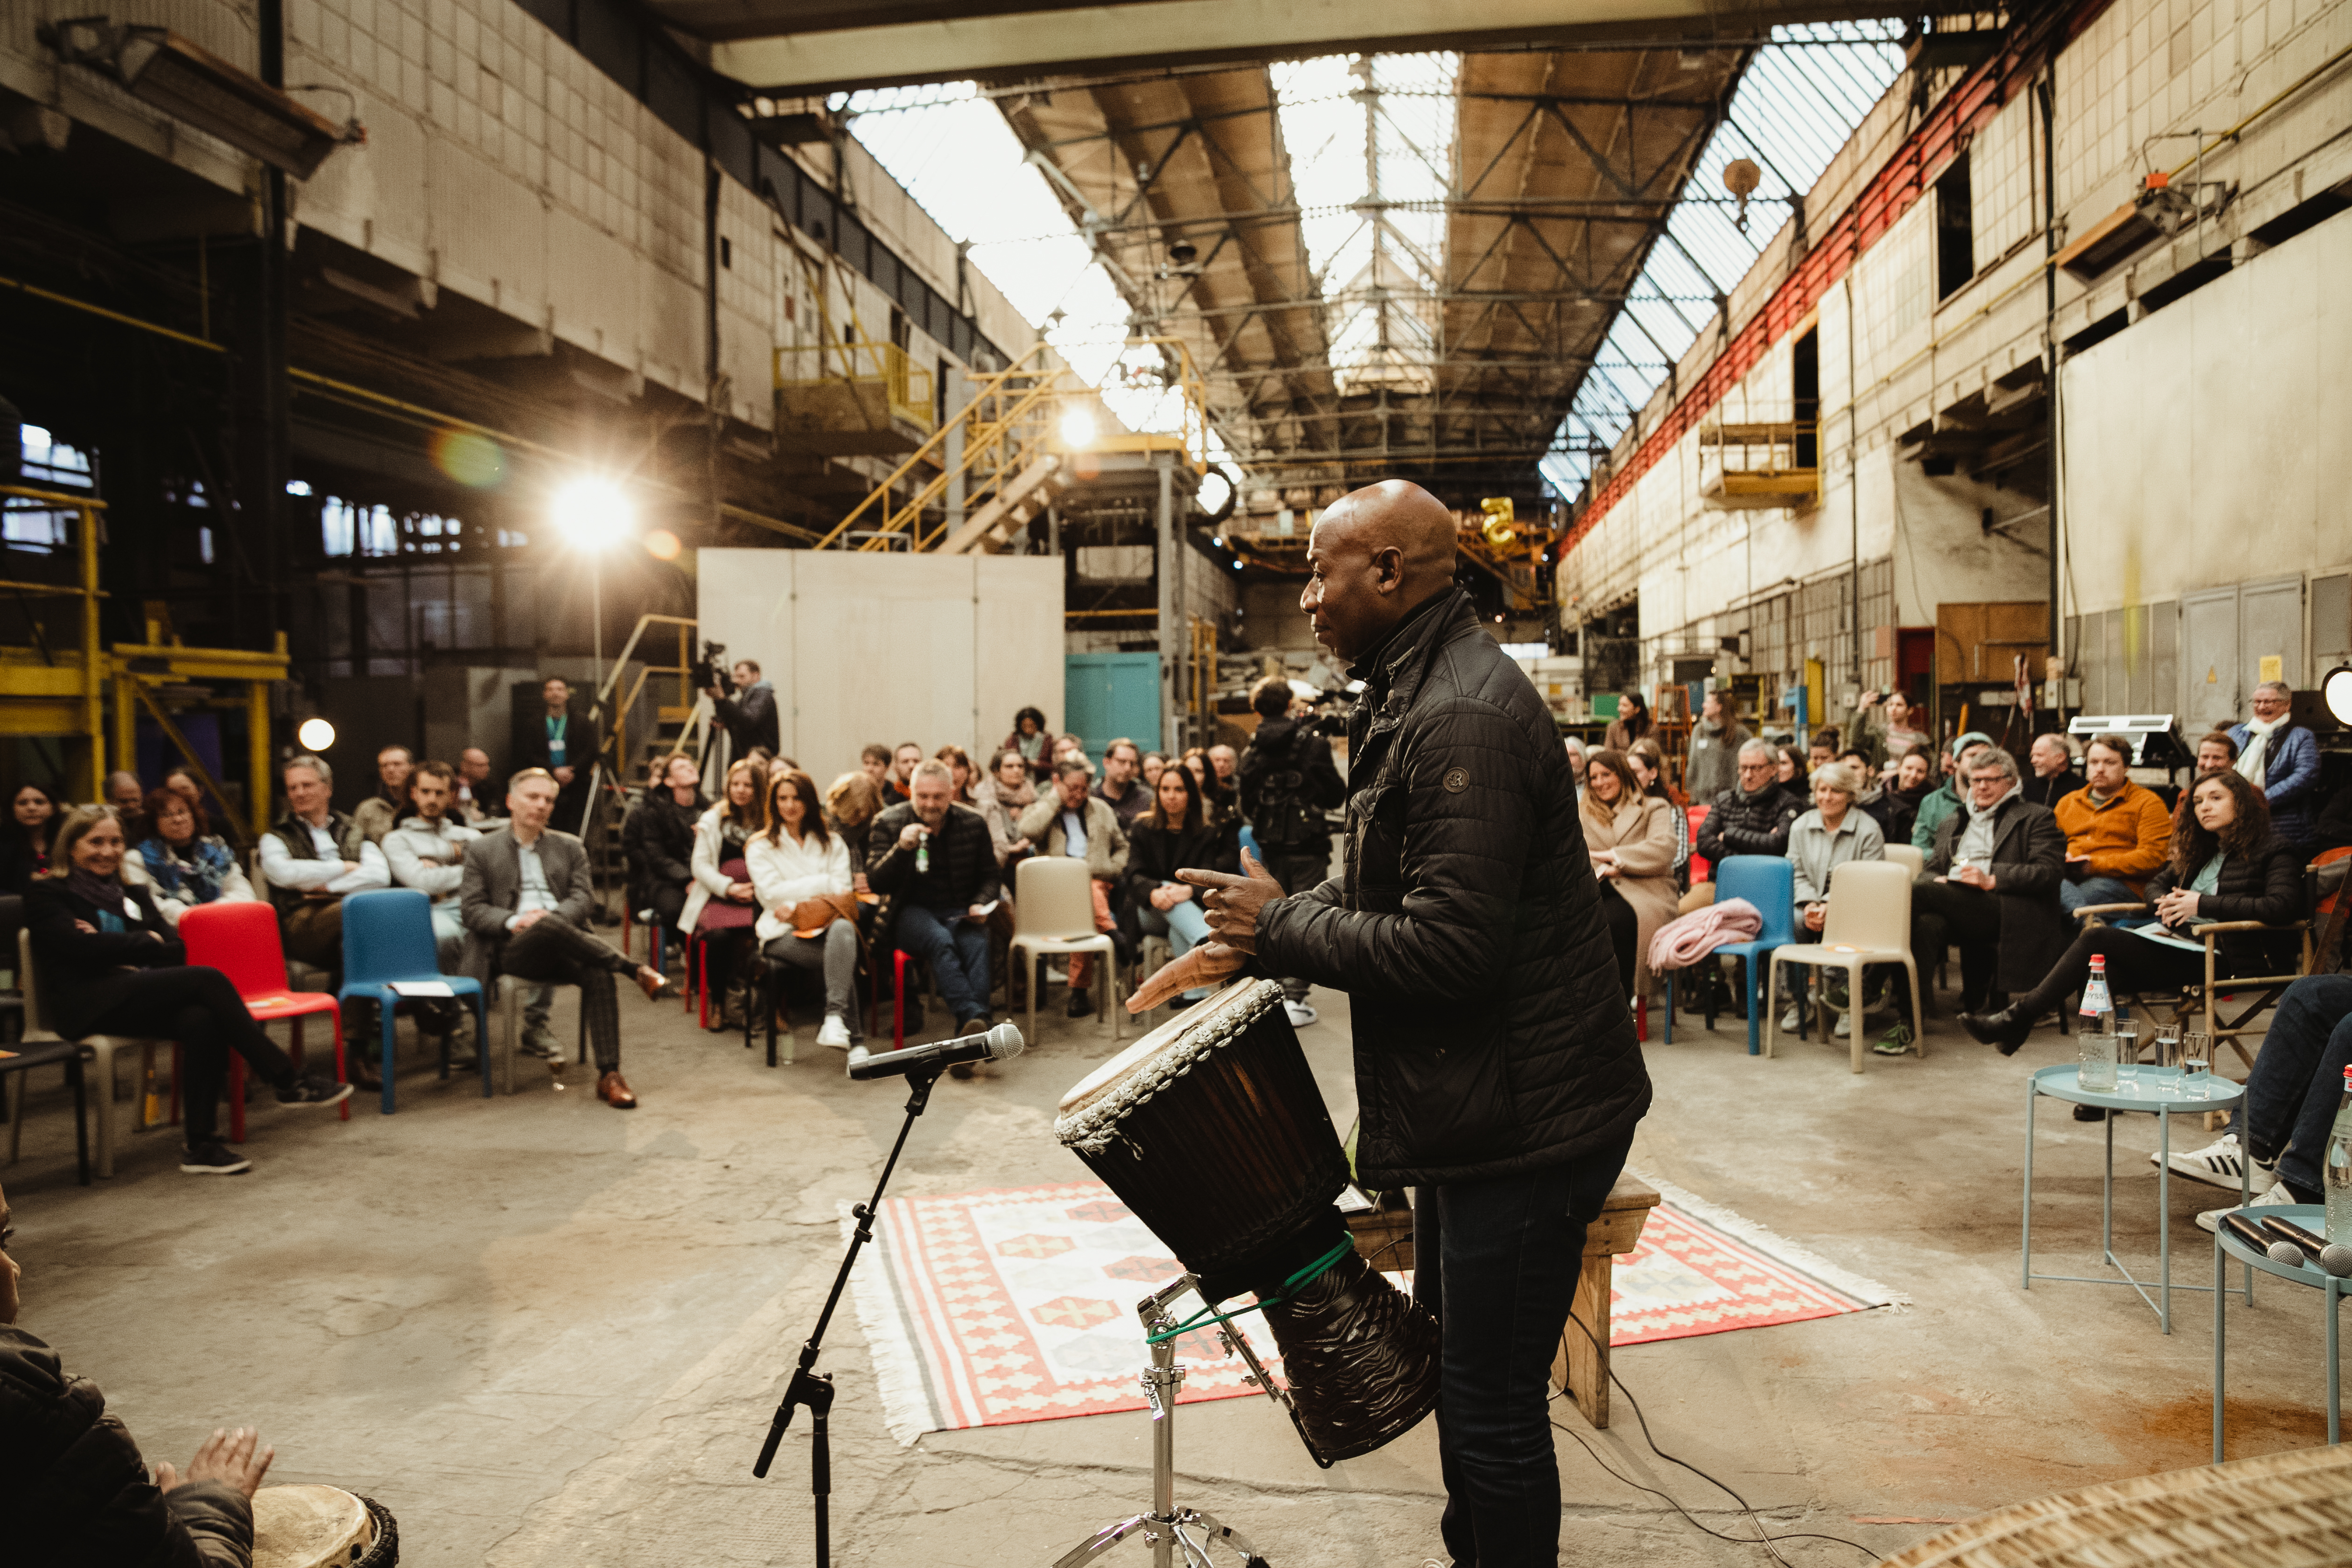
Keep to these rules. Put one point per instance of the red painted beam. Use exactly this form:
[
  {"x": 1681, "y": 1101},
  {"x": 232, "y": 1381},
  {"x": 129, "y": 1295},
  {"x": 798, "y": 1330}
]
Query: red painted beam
[{"x": 1942, "y": 136}]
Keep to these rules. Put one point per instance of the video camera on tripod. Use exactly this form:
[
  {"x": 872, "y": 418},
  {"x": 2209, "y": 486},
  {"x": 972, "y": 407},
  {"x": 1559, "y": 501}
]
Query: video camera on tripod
[{"x": 711, "y": 668}]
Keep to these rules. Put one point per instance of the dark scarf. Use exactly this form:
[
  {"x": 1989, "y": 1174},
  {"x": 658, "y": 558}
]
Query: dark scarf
[{"x": 104, "y": 892}]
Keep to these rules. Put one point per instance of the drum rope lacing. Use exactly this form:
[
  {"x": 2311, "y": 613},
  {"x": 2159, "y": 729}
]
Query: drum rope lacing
[
  {"x": 1096, "y": 1127},
  {"x": 1291, "y": 1287}
]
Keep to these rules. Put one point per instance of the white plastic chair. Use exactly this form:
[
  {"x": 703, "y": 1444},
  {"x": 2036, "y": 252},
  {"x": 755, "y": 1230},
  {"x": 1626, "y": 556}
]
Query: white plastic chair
[
  {"x": 1053, "y": 912},
  {"x": 1909, "y": 859},
  {"x": 1869, "y": 922},
  {"x": 103, "y": 1048}
]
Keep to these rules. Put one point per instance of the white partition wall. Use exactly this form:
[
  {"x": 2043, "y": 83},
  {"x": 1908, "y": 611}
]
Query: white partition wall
[{"x": 930, "y": 649}]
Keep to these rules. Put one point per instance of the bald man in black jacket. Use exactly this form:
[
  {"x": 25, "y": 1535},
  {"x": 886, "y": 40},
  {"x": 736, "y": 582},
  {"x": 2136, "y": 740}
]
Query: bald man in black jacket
[{"x": 1496, "y": 1063}]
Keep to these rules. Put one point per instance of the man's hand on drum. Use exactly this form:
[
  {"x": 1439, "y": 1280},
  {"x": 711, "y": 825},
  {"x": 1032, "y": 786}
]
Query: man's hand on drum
[
  {"x": 1231, "y": 903},
  {"x": 225, "y": 1457}
]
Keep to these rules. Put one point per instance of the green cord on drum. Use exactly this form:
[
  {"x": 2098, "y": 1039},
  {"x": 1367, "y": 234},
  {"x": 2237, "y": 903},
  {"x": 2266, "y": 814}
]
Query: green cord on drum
[{"x": 1290, "y": 1287}]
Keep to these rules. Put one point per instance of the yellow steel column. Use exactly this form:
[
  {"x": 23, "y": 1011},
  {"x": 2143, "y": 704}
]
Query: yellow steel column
[
  {"x": 126, "y": 725},
  {"x": 257, "y": 792},
  {"x": 93, "y": 663}
]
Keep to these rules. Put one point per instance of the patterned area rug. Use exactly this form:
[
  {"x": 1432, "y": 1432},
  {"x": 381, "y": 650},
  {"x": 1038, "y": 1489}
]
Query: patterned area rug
[{"x": 993, "y": 1308}]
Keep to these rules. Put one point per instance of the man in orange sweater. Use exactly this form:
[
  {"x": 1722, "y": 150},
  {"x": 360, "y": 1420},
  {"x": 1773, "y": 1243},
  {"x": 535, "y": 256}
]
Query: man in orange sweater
[{"x": 2117, "y": 833}]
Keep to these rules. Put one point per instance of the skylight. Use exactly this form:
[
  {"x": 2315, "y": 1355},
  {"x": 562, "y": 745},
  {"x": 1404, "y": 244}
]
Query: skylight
[{"x": 1801, "y": 96}]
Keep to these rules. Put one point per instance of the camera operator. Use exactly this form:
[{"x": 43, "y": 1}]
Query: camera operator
[{"x": 750, "y": 715}]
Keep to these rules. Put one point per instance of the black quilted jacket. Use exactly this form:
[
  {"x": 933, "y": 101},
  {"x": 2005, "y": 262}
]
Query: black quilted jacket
[
  {"x": 1492, "y": 1033},
  {"x": 73, "y": 1488}
]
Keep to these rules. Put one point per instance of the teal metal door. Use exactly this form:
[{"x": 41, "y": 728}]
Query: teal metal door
[{"x": 1107, "y": 695}]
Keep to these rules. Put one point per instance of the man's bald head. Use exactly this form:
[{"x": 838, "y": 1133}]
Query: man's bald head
[{"x": 1375, "y": 556}]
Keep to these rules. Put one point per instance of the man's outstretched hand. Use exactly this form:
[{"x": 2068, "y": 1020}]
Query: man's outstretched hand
[
  {"x": 1208, "y": 964},
  {"x": 226, "y": 1457}
]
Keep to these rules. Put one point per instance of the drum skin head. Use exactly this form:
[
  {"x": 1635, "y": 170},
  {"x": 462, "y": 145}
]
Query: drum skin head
[
  {"x": 309, "y": 1527},
  {"x": 1233, "y": 993}
]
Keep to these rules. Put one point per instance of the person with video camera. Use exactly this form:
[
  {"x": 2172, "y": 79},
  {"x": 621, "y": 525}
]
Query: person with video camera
[
  {"x": 1287, "y": 781},
  {"x": 749, "y": 715}
]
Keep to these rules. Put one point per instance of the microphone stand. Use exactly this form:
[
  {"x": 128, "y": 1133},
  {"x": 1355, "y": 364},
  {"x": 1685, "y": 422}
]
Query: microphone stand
[{"x": 812, "y": 1388}]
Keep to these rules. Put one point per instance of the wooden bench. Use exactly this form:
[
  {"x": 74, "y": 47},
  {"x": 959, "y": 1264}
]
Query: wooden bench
[{"x": 1581, "y": 1367}]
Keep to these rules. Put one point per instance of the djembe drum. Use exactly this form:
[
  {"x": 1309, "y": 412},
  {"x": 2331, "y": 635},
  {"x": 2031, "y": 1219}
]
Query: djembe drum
[
  {"x": 1211, "y": 1131},
  {"x": 321, "y": 1527}
]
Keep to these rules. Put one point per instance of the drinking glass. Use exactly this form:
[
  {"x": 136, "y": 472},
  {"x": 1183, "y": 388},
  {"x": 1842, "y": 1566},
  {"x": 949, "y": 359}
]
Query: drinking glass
[
  {"x": 2167, "y": 1054},
  {"x": 2097, "y": 1049},
  {"x": 2196, "y": 1064},
  {"x": 2126, "y": 1056}
]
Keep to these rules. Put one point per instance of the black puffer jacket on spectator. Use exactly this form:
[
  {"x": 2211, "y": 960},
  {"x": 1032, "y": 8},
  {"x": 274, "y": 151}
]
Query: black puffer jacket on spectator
[
  {"x": 1492, "y": 1035},
  {"x": 963, "y": 860},
  {"x": 2264, "y": 884},
  {"x": 657, "y": 838},
  {"x": 74, "y": 1489},
  {"x": 1739, "y": 823}
]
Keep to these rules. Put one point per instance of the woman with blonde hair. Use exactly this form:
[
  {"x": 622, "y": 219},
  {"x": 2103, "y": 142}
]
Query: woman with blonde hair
[
  {"x": 959, "y": 772},
  {"x": 807, "y": 907},
  {"x": 1631, "y": 843},
  {"x": 723, "y": 900},
  {"x": 852, "y": 802}
]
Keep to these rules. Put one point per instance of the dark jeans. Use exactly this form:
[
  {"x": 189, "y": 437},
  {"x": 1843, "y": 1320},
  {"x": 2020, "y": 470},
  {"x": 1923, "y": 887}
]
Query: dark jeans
[
  {"x": 2135, "y": 964},
  {"x": 1943, "y": 913},
  {"x": 1299, "y": 871},
  {"x": 313, "y": 934},
  {"x": 956, "y": 950},
  {"x": 1625, "y": 934},
  {"x": 667, "y": 902},
  {"x": 196, "y": 1005},
  {"x": 554, "y": 950},
  {"x": 2297, "y": 1083},
  {"x": 1496, "y": 1262}
]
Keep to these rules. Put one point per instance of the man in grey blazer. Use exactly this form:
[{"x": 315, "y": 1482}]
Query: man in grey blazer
[{"x": 525, "y": 901}]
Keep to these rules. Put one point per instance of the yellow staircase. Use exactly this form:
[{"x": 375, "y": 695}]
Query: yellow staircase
[{"x": 1032, "y": 434}]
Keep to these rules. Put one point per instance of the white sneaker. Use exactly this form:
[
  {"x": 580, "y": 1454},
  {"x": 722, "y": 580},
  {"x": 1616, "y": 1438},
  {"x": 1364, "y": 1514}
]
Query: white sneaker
[
  {"x": 834, "y": 1033},
  {"x": 2277, "y": 1197},
  {"x": 1301, "y": 1014},
  {"x": 2217, "y": 1164},
  {"x": 1845, "y": 1030},
  {"x": 1057, "y": 974},
  {"x": 1789, "y": 1020}
]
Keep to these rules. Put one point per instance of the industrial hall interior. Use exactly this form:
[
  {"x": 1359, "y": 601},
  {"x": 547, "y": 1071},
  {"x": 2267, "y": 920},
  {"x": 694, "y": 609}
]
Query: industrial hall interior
[{"x": 669, "y": 669}]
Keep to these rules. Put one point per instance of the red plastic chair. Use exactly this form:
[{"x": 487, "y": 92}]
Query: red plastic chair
[{"x": 241, "y": 941}]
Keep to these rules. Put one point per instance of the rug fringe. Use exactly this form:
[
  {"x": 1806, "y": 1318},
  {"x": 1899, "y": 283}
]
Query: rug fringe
[
  {"x": 906, "y": 1408},
  {"x": 1860, "y": 1287}
]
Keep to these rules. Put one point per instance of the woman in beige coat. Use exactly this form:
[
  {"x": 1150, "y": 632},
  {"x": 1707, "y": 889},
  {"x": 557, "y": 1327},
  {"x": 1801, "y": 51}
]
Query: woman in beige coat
[{"x": 1631, "y": 837}]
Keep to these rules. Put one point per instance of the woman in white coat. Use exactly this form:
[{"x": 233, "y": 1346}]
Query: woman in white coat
[
  {"x": 796, "y": 864},
  {"x": 721, "y": 902}
]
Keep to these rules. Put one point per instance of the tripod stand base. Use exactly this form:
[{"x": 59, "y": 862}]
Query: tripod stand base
[{"x": 1191, "y": 1531}]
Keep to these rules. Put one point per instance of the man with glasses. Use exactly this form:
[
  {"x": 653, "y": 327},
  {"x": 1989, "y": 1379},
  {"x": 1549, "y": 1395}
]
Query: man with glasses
[{"x": 1991, "y": 887}]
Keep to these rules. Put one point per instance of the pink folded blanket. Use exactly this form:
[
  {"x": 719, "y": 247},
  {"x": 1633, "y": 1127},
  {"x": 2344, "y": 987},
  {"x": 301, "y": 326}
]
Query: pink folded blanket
[{"x": 1684, "y": 940}]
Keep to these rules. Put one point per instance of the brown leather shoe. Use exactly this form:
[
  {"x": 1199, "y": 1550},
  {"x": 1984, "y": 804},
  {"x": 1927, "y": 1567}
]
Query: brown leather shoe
[
  {"x": 652, "y": 984},
  {"x": 613, "y": 1090}
]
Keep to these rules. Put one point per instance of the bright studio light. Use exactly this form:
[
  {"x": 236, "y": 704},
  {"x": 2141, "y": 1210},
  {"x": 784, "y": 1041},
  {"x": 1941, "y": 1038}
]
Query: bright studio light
[
  {"x": 2335, "y": 687},
  {"x": 316, "y": 734},
  {"x": 591, "y": 512},
  {"x": 1077, "y": 427}
]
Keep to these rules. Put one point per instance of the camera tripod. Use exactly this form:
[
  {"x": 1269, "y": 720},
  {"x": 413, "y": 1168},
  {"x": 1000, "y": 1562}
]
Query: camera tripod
[{"x": 1167, "y": 1529}]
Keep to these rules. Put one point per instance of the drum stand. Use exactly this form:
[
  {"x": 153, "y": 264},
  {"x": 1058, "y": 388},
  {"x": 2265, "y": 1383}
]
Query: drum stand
[
  {"x": 1167, "y": 1529},
  {"x": 814, "y": 1388}
]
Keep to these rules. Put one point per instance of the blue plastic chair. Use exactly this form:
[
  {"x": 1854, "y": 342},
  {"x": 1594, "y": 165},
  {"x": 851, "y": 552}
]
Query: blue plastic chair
[
  {"x": 1769, "y": 882},
  {"x": 388, "y": 939},
  {"x": 1249, "y": 842}
]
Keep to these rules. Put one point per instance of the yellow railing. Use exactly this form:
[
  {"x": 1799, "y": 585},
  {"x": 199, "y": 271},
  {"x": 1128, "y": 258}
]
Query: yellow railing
[
  {"x": 910, "y": 390},
  {"x": 1028, "y": 410}
]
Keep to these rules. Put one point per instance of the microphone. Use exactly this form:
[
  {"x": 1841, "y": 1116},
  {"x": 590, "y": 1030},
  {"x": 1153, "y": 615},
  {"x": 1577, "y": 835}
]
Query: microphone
[
  {"x": 1000, "y": 1044},
  {"x": 2333, "y": 1257},
  {"x": 2248, "y": 1232}
]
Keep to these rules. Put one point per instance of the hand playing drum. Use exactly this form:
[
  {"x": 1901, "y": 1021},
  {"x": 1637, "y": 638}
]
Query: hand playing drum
[{"x": 1231, "y": 905}]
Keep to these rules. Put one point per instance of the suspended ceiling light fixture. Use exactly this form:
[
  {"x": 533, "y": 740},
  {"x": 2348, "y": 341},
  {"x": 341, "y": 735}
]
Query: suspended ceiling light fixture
[{"x": 199, "y": 88}]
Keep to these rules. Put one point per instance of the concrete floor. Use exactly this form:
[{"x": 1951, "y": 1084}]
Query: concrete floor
[{"x": 544, "y": 1332}]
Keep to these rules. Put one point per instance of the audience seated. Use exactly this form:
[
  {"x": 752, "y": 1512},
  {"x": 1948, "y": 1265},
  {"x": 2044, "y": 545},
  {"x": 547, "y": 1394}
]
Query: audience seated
[
  {"x": 2216, "y": 750},
  {"x": 1715, "y": 742},
  {"x": 183, "y": 862},
  {"x": 477, "y": 803},
  {"x": 1033, "y": 740},
  {"x": 1648, "y": 761},
  {"x": 1072, "y": 820},
  {"x": 1223, "y": 761},
  {"x": 427, "y": 851},
  {"x": 1836, "y": 830},
  {"x": 2052, "y": 767},
  {"x": 657, "y": 839},
  {"x": 525, "y": 900},
  {"x": 852, "y": 802},
  {"x": 2282, "y": 758},
  {"x": 2292, "y": 1094},
  {"x": 1577, "y": 758},
  {"x": 1152, "y": 762},
  {"x": 1000, "y": 799},
  {"x": 378, "y": 812},
  {"x": 960, "y": 770},
  {"x": 2227, "y": 863},
  {"x": 1631, "y": 843},
  {"x": 933, "y": 859},
  {"x": 895, "y": 785},
  {"x": 1915, "y": 780},
  {"x": 2116, "y": 832},
  {"x": 1820, "y": 752},
  {"x": 808, "y": 910},
  {"x": 1945, "y": 799},
  {"x": 110, "y": 965},
  {"x": 313, "y": 857},
  {"x": 1752, "y": 817},
  {"x": 1878, "y": 799},
  {"x": 1788, "y": 771},
  {"x": 1287, "y": 783},
  {"x": 25, "y": 842},
  {"x": 129, "y": 797},
  {"x": 1172, "y": 835},
  {"x": 75, "y": 1488},
  {"x": 1122, "y": 785},
  {"x": 723, "y": 906},
  {"x": 875, "y": 761},
  {"x": 1990, "y": 886}
]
